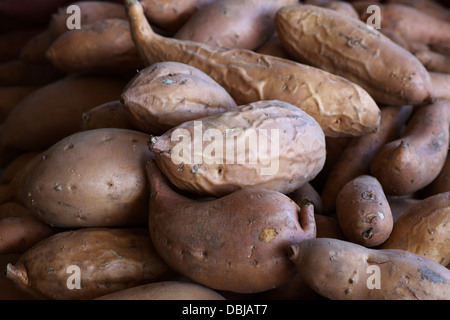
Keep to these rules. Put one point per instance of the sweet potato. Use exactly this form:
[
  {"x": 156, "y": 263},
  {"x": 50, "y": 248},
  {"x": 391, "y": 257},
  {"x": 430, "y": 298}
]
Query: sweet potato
[
  {"x": 107, "y": 115},
  {"x": 92, "y": 178},
  {"x": 11, "y": 96},
  {"x": 165, "y": 290},
  {"x": 102, "y": 47},
  {"x": 232, "y": 23},
  {"x": 441, "y": 183},
  {"x": 342, "y": 7},
  {"x": 356, "y": 158},
  {"x": 16, "y": 165},
  {"x": 18, "y": 234},
  {"x": 342, "y": 270},
  {"x": 222, "y": 153},
  {"x": 272, "y": 47},
  {"x": 33, "y": 51},
  {"x": 171, "y": 15},
  {"x": 216, "y": 244},
  {"x": 430, "y": 7},
  {"x": 408, "y": 164},
  {"x": 11, "y": 43},
  {"x": 12, "y": 209},
  {"x": 307, "y": 193},
  {"x": 399, "y": 204},
  {"x": 54, "y": 111},
  {"x": 424, "y": 229},
  {"x": 8, "y": 290},
  {"x": 328, "y": 227},
  {"x": 109, "y": 260},
  {"x": 166, "y": 94},
  {"x": 345, "y": 46},
  {"x": 433, "y": 61},
  {"x": 341, "y": 107},
  {"x": 440, "y": 85},
  {"x": 19, "y": 73},
  {"x": 91, "y": 11},
  {"x": 411, "y": 24},
  {"x": 363, "y": 212}
]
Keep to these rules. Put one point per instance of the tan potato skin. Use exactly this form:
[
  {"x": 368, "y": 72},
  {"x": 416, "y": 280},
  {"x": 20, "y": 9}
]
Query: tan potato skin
[
  {"x": 339, "y": 270},
  {"x": 166, "y": 94},
  {"x": 216, "y": 244},
  {"x": 165, "y": 290},
  {"x": 346, "y": 47},
  {"x": 355, "y": 159},
  {"x": 101, "y": 47},
  {"x": 440, "y": 85},
  {"x": 340, "y": 106},
  {"x": 413, "y": 161},
  {"x": 363, "y": 211},
  {"x": 297, "y": 159},
  {"x": 91, "y": 11},
  {"x": 53, "y": 112},
  {"x": 232, "y": 23},
  {"x": 424, "y": 229},
  {"x": 110, "y": 260},
  {"x": 92, "y": 178},
  {"x": 107, "y": 115}
]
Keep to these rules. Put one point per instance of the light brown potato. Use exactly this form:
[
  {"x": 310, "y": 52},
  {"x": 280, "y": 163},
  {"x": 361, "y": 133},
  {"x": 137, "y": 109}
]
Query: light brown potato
[
  {"x": 8, "y": 289},
  {"x": 430, "y": 7},
  {"x": 399, "y": 204},
  {"x": 270, "y": 144},
  {"x": 342, "y": 270},
  {"x": 424, "y": 229},
  {"x": 442, "y": 182},
  {"x": 411, "y": 162},
  {"x": 91, "y": 11},
  {"x": 107, "y": 115},
  {"x": 109, "y": 260},
  {"x": 101, "y": 47},
  {"x": 355, "y": 159},
  {"x": 166, "y": 94},
  {"x": 216, "y": 244},
  {"x": 440, "y": 85},
  {"x": 272, "y": 47},
  {"x": 53, "y": 112},
  {"x": 338, "y": 105},
  {"x": 12, "y": 209},
  {"x": 11, "y": 96},
  {"x": 305, "y": 194},
  {"x": 92, "y": 178},
  {"x": 345, "y": 46},
  {"x": 232, "y": 23},
  {"x": 165, "y": 290},
  {"x": 433, "y": 61},
  {"x": 363, "y": 212}
]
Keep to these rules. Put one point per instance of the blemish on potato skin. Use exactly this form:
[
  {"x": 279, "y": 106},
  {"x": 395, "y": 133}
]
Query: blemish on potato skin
[{"x": 267, "y": 235}]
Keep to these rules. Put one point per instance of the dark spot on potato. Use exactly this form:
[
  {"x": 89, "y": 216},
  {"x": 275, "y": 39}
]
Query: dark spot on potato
[
  {"x": 368, "y": 233},
  {"x": 427, "y": 274}
]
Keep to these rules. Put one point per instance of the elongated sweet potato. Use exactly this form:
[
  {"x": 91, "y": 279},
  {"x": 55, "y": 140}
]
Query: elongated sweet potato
[
  {"x": 105, "y": 260},
  {"x": 11, "y": 96},
  {"x": 433, "y": 61},
  {"x": 91, "y": 11},
  {"x": 358, "y": 155},
  {"x": 8, "y": 290},
  {"x": 363, "y": 212},
  {"x": 219, "y": 245},
  {"x": 102, "y": 47},
  {"x": 430, "y": 7},
  {"x": 166, "y": 94},
  {"x": 328, "y": 227},
  {"x": 345, "y": 46},
  {"x": 19, "y": 73},
  {"x": 92, "y": 178},
  {"x": 441, "y": 183},
  {"x": 232, "y": 23},
  {"x": 414, "y": 160},
  {"x": 342, "y": 270},
  {"x": 307, "y": 193},
  {"x": 165, "y": 290},
  {"x": 33, "y": 51},
  {"x": 54, "y": 111},
  {"x": 107, "y": 115},
  {"x": 272, "y": 47},
  {"x": 270, "y": 144},
  {"x": 340, "y": 106},
  {"x": 424, "y": 229}
]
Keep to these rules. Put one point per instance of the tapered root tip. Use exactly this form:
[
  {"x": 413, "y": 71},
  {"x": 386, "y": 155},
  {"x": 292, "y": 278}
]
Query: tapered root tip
[{"x": 17, "y": 273}]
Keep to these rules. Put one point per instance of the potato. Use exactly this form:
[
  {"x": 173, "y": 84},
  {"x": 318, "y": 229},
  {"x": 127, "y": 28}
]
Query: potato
[
  {"x": 440, "y": 85},
  {"x": 222, "y": 244},
  {"x": 18, "y": 234},
  {"x": 240, "y": 155},
  {"x": 166, "y": 94},
  {"x": 272, "y": 46},
  {"x": 19, "y": 73},
  {"x": 342, "y": 270},
  {"x": 232, "y": 23},
  {"x": 363, "y": 212},
  {"x": 101, "y": 47},
  {"x": 53, "y": 112},
  {"x": 12, "y": 209},
  {"x": 111, "y": 114},
  {"x": 424, "y": 229},
  {"x": 91, "y": 11},
  {"x": 346, "y": 47},
  {"x": 165, "y": 290},
  {"x": 413, "y": 161},
  {"x": 430, "y": 7},
  {"x": 8, "y": 289},
  {"x": 92, "y": 178},
  {"x": 355, "y": 159},
  {"x": 399, "y": 204},
  {"x": 15, "y": 166},
  {"x": 33, "y": 51},
  {"x": 338, "y": 105},
  {"x": 109, "y": 260},
  {"x": 433, "y": 61},
  {"x": 307, "y": 193},
  {"x": 442, "y": 182},
  {"x": 328, "y": 227},
  {"x": 11, "y": 96},
  {"x": 12, "y": 42}
]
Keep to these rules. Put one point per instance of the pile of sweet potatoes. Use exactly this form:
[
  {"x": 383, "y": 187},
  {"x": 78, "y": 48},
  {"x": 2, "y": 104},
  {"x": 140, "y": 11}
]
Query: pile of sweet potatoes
[{"x": 224, "y": 149}]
